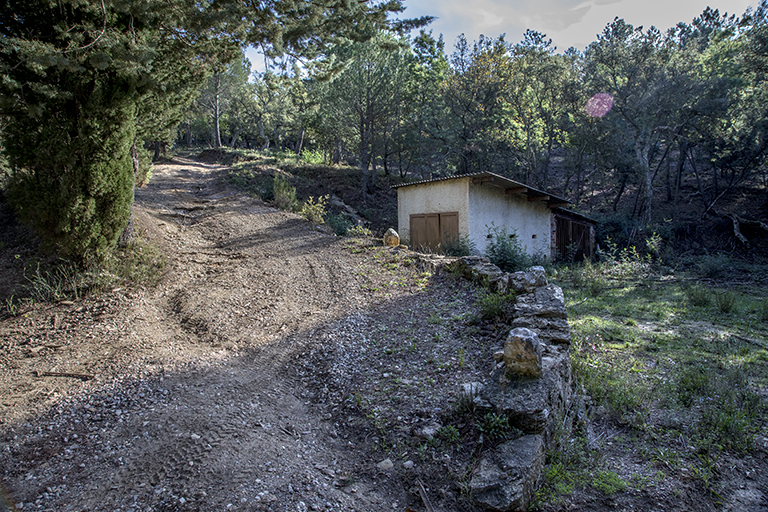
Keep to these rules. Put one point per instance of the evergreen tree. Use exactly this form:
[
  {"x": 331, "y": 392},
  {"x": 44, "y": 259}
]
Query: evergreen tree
[{"x": 75, "y": 75}]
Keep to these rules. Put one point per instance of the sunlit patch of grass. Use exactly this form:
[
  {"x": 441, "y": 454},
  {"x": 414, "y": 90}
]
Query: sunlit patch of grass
[{"x": 673, "y": 364}]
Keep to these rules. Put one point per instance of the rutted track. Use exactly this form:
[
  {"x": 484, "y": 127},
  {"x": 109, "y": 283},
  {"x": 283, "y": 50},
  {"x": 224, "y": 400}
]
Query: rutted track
[{"x": 198, "y": 404}]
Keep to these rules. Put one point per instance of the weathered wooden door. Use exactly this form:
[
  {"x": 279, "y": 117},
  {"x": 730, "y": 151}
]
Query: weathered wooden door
[
  {"x": 429, "y": 231},
  {"x": 573, "y": 239}
]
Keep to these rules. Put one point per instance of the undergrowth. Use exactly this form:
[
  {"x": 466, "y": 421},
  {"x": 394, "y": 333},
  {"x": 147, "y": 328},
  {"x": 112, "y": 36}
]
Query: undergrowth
[
  {"x": 677, "y": 365},
  {"x": 139, "y": 263}
]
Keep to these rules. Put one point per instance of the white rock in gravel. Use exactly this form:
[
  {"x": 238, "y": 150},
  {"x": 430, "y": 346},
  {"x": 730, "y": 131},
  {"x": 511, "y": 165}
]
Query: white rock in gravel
[
  {"x": 428, "y": 431},
  {"x": 408, "y": 464},
  {"x": 385, "y": 465}
]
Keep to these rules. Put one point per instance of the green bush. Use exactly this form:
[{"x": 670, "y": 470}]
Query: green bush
[
  {"x": 715, "y": 265},
  {"x": 284, "y": 192},
  {"x": 504, "y": 250},
  {"x": 73, "y": 179},
  {"x": 312, "y": 156},
  {"x": 697, "y": 295},
  {"x": 359, "y": 231},
  {"x": 458, "y": 246},
  {"x": 726, "y": 301},
  {"x": 494, "y": 426},
  {"x": 144, "y": 173},
  {"x": 339, "y": 224},
  {"x": 493, "y": 305},
  {"x": 314, "y": 210}
]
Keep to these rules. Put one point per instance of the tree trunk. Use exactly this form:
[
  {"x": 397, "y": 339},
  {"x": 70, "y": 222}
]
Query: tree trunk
[
  {"x": 234, "y": 137},
  {"x": 216, "y": 118},
  {"x": 642, "y": 153},
  {"x": 682, "y": 153},
  {"x": 263, "y": 137},
  {"x": 621, "y": 191},
  {"x": 300, "y": 142},
  {"x": 365, "y": 144}
]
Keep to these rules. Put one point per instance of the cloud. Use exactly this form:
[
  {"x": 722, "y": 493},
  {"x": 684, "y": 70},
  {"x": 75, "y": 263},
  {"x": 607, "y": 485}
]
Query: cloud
[
  {"x": 493, "y": 17},
  {"x": 567, "y": 22}
]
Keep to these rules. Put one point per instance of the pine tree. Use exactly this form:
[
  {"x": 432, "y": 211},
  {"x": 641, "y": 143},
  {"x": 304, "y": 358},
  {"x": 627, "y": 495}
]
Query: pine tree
[{"x": 81, "y": 81}]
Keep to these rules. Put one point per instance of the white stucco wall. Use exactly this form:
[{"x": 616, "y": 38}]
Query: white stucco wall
[
  {"x": 435, "y": 197},
  {"x": 529, "y": 219}
]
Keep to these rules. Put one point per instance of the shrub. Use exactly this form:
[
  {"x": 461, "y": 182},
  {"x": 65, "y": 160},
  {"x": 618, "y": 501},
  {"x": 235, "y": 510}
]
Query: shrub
[
  {"x": 459, "y": 246},
  {"x": 493, "y": 305},
  {"x": 359, "y": 231},
  {"x": 726, "y": 301},
  {"x": 73, "y": 177},
  {"x": 314, "y": 210},
  {"x": 312, "y": 156},
  {"x": 493, "y": 425},
  {"x": 285, "y": 193},
  {"x": 608, "y": 482},
  {"x": 339, "y": 224},
  {"x": 697, "y": 295},
  {"x": 713, "y": 266},
  {"x": 144, "y": 173},
  {"x": 244, "y": 178},
  {"x": 504, "y": 250}
]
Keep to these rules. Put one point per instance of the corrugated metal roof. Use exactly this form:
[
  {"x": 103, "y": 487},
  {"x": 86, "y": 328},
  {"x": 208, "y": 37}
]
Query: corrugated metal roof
[
  {"x": 500, "y": 181},
  {"x": 577, "y": 215}
]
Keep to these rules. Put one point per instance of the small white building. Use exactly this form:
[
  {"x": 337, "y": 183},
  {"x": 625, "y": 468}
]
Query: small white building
[{"x": 433, "y": 212}]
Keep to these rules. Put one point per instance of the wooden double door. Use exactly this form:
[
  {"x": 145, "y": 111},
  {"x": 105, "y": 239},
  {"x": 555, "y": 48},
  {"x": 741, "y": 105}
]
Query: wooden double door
[{"x": 431, "y": 231}]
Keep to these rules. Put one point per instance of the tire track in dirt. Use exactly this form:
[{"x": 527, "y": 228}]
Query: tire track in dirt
[
  {"x": 213, "y": 409},
  {"x": 238, "y": 422}
]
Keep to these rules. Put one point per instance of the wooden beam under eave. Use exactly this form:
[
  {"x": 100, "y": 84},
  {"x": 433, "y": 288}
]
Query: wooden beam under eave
[
  {"x": 558, "y": 205},
  {"x": 485, "y": 179},
  {"x": 538, "y": 198},
  {"x": 516, "y": 190}
]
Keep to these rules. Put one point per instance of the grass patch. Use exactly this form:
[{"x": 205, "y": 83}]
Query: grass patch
[
  {"x": 679, "y": 369},
  {"x": 139, "y": 263}
]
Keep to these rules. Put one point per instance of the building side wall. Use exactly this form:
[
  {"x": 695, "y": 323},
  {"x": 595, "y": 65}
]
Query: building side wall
[
  {"x": 439, "y": 197},
  {"x": 529, "y": 219}
]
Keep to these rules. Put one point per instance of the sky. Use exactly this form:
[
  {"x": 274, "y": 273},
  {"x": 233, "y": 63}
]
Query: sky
[{"x": 567, "y": 22}]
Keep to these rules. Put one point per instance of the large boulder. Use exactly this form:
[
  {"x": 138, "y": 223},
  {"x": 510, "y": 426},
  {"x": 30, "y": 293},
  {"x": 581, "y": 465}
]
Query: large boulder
[
  {"x": 506, "y": 478},
  {"x": 391, "y": 238}
]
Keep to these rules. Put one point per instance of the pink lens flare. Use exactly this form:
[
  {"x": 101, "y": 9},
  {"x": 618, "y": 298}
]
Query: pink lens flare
[{"x": 599, "y": 104}]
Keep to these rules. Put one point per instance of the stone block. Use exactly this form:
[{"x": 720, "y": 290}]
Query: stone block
[
  {"x": 532, "y": 405},
  {"x": 522, "y": 353},
  {"x": 546, "y": 301},
  {"x": 527, "y": 281},
  {"x": 506, "y": 477},
  {"x": 551, "y": 330}
]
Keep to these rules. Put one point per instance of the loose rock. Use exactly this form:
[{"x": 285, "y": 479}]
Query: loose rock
[
  {"x": 522, "y": 353},
  {"x": 391, "y": 238}
]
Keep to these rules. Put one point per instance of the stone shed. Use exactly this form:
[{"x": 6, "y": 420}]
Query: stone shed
[{"x": 433, "y": 212}]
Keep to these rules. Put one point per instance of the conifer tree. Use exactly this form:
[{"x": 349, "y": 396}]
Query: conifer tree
[{"x": 80, "y": 81}]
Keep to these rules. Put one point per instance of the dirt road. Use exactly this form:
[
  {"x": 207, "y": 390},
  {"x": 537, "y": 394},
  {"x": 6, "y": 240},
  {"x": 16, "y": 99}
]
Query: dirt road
[{"x": 205, "y": 396}]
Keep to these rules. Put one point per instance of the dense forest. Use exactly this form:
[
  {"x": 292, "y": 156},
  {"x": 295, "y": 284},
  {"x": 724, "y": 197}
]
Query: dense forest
[{"x": 91, "y": 93}]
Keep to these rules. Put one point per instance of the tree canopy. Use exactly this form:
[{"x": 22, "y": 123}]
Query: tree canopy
[
  {"x": 82, "y": 82},
  {"x": 634, "y": 117}
]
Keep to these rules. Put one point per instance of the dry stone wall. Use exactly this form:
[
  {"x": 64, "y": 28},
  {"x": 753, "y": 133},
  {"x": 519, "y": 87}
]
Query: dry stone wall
[{"x": 532, "y": 384}]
